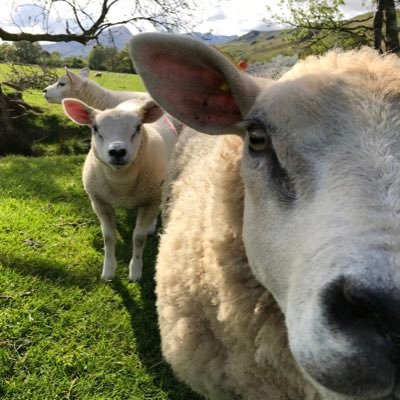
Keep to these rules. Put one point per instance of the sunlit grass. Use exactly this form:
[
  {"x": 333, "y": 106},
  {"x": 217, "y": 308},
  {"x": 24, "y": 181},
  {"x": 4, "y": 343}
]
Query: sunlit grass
[{"x": 65, "y": 334}]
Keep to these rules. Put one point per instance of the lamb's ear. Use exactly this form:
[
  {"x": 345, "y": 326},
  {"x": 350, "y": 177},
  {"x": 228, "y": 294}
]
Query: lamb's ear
[
  {"x": 193, "y": 81},
  {"x": 84, "y": 72},
  {"x": 151, "y": 112},
  {"x": 75, "y": 79},
  {"x": 78, "y": 111}
]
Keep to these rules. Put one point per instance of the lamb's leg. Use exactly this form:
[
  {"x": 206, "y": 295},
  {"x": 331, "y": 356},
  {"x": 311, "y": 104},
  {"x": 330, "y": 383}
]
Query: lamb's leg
[
  {"x": 106, "y": 215},
  {"x": 144, "y": 220}
]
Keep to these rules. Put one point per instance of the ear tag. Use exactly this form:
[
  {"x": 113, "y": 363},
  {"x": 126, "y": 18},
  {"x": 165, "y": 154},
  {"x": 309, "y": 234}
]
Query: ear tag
[{"x": 224, "y": 87}]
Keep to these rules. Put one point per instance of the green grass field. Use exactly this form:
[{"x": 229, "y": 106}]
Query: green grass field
[{"x": 64, "y": 333}]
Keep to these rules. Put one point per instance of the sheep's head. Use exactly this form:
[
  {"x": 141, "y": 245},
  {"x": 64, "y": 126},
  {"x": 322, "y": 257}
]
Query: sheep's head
[
  {"x": 117, "y": 132},
  {"x": 66, "y": 86},
  {"x": 321, "y": 171}
]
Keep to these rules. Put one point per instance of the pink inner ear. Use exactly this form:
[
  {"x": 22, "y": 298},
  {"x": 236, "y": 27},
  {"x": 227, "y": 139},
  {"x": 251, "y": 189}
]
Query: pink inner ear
[
  {"x": 152, "y": 115},
  {"x": 78, "y": 112},
  {"x": 194, "y": 93}
]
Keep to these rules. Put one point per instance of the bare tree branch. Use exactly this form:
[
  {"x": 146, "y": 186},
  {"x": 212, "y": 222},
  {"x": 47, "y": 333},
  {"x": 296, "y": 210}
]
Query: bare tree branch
[{"x": 83, "y": 25}]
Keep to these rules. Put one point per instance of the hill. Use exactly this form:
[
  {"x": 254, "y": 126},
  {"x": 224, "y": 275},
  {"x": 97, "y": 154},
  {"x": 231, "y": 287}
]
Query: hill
[
  {"x": 257, "y": 46},
  {"x": 116, "y": 36}
]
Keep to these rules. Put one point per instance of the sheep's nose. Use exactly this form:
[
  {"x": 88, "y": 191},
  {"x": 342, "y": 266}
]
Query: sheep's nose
[
  {"x": 361, "y": 316},
  {"x": 117, "y": 152},
  {"x": 44, "y": 90},
  {"x": 351, "y": 303}
]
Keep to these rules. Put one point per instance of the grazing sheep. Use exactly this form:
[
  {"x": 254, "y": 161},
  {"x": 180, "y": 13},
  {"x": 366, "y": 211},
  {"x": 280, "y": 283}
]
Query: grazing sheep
[
  {"x": 125, "y": 168},
  {"x": 81, "y": 87},
  {"x": 278, "y": 274},
  {"x": 98, "y": 75}
]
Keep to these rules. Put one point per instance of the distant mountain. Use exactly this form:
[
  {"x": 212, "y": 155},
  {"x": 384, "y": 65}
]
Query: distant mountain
[
  {"x": 213, "y": 39},
  {"x": 116, "y": 36}
]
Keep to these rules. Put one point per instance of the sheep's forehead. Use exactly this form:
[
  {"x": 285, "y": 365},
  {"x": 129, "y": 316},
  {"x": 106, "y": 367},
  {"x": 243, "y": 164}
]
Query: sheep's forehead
[
  {"x": 63, "y": 79},
  {"x": 317, "y": 103},
  {"x": 115, "y": 122}
]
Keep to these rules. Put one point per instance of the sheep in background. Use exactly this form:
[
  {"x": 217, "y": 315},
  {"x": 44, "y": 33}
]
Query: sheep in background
[
  {"x": 125, "y": 168},
  {"x": 278, "y": 273},
  {"x": 82, "y": 88}
]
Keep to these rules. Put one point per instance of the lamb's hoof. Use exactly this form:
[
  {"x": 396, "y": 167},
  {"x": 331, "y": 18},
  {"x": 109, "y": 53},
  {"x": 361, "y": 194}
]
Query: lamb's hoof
[
  {"x": 135, "y": 270},
  {"x": 135, "y": 276},
  {"x": 107, "y": 277}
]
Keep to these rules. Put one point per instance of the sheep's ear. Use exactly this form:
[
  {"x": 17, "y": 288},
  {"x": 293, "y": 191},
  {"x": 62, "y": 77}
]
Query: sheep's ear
[
  {"x": 78, "y": 111},
  {"x": 76, "y": 80},
  {"x": 193, "y": 81},
  {"x": 151, "y": 112},
  {"x": 84, "y": 72}
]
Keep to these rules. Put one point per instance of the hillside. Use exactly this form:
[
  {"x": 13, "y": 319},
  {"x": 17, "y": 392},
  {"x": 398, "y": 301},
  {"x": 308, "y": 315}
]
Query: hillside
[
  {"x": 116, "y": 36},
  {"x": 257, "y": 46}
]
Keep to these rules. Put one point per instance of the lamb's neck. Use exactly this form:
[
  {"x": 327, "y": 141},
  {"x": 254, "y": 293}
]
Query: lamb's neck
[{"x": 101, "y": 98}]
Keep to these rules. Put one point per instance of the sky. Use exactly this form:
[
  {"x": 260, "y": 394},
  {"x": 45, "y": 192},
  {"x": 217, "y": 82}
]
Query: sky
[{"x": 221, "y": 17}]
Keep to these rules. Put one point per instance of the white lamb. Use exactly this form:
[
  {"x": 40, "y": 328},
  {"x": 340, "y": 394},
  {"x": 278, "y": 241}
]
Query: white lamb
[
  {"x": 125, "y": 168},
  {"x": 82, "y": 88},
  {"x": 278, "y": 273}
]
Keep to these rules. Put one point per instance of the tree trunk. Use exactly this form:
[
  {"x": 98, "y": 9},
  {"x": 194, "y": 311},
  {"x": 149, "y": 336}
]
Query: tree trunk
[
  {"x": 386, "y": 11},
  {"x": 6, "y": 127},
  {"x": 392, "y": 34},
  {"x": 378, "y": 23}
]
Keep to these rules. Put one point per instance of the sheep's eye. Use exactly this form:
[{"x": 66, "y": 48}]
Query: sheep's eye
[
  {"x": 136, "y": 131},
  {"x": 61, "y": 84},
  {"x": 258, "y": 140}
]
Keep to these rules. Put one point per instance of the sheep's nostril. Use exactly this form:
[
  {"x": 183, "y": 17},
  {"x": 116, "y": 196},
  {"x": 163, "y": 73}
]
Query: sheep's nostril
[
  {"x": 363, "y": 310},
  {"x": 117, "y": 153},
  {"x": 44, "y": 90}
]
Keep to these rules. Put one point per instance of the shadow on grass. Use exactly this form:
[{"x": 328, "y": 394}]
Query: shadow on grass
[
  {"x": 51, "y": 271},
  {"x": 44, "y": 179},
  {"x": 143, "y": 320}
]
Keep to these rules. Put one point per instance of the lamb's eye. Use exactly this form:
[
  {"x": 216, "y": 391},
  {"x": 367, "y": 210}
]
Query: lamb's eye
[
  {"x": 136, "y": 131},
  {"x": 96, "y": 132},
  {"x": 61, "y": 84},
  {"x": 258, "y": 140}
]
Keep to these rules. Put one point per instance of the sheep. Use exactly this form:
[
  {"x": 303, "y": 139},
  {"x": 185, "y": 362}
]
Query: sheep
[
  {"x": 278, "y": 272},
  {"x": 82, "y": 88},
  {"x": 98, "y": 75},
  {"x": 124, "y": 168}
]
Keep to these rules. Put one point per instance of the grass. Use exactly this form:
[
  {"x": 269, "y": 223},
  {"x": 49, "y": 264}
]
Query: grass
[
  {"x": 50, "y": 131},
  {"x": 65, "y": 334}
]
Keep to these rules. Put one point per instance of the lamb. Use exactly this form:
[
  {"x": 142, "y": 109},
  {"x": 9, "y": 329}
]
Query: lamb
[
  {"x": 81, "y": 87},
  {"x": 124, "y": 168},
  {"x": 278, "y": 273}
]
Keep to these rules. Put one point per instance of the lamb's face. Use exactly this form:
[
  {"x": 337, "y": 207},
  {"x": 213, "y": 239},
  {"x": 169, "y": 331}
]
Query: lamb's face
[
  {"x": 116, "y": 137},
  {"x": 321, "y": 171},
  {"x": 66, "y": 86},
  {"x": 117, "y": 132}
]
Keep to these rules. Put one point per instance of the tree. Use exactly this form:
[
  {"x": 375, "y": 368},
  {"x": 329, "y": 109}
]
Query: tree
[
  {"x": 82, "y": 21},
  {"x": 26, "y": 52},
  {"x": 102, "y": 58},
  {"x": 85, "y": 20},
  {"x": 386, "y": 13},
  {"x": 318, "y": 25}
]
